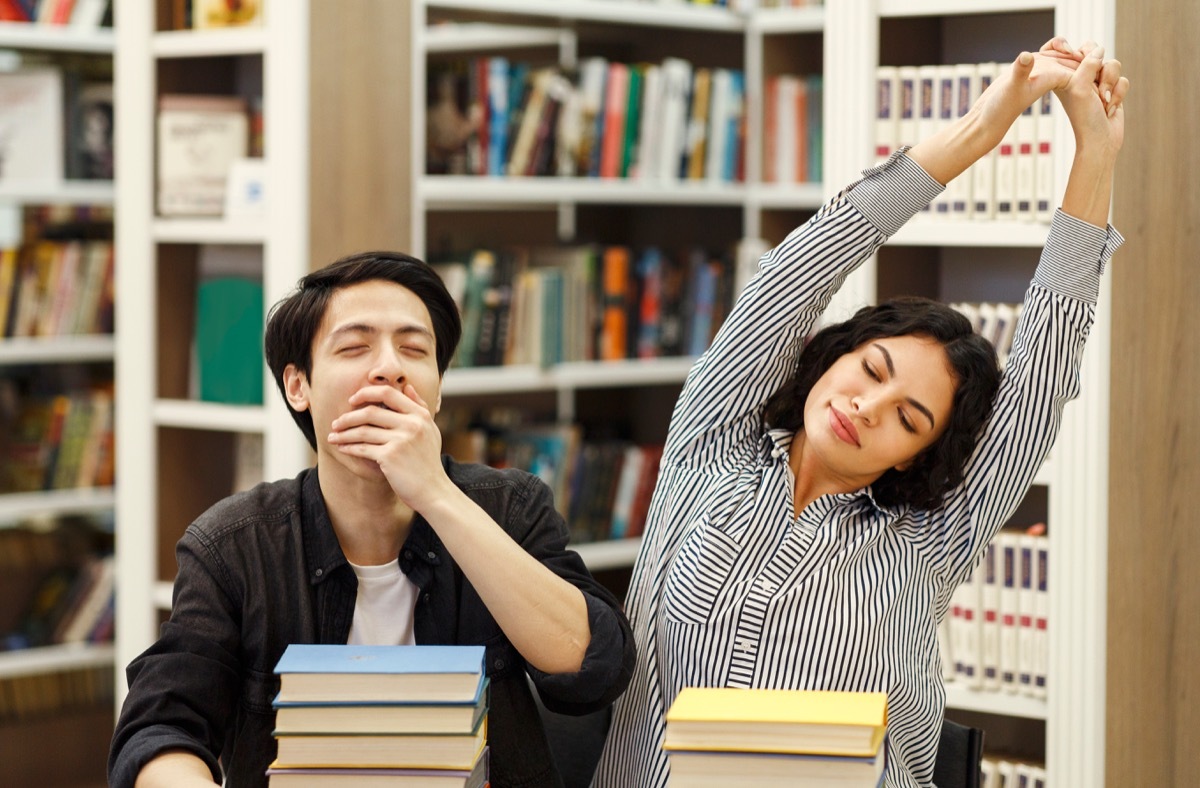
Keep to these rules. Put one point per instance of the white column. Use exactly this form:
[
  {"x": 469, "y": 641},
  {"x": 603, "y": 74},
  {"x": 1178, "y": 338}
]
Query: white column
[
  {"x": 851, "y": 55},
  {"x": 136, "y": 368},
  {"x": 1079, "y": 509},
  {"x": 286, "y": 250}
]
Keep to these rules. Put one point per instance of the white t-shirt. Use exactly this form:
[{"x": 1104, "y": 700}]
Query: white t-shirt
[{"x": 383, "y": 610}]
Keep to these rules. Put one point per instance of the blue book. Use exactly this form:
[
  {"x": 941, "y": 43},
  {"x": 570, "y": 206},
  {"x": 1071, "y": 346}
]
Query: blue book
[{"x": 314, "y": 673}]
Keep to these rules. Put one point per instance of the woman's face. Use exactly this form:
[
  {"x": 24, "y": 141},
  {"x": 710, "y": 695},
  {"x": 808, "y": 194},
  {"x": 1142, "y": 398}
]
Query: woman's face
[{"x": 879, "y": 406}]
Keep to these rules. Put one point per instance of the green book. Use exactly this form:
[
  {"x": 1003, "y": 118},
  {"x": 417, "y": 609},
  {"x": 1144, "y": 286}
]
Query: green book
[{"x": 229, "y": 340}]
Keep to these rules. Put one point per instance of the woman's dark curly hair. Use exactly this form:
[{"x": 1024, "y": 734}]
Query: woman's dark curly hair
[
  {"x": 293, "y": 322},
  {"x": 939, "y": 468}
]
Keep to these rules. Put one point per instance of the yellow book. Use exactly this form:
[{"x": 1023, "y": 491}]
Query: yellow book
[{"x": 785, "y": 721}]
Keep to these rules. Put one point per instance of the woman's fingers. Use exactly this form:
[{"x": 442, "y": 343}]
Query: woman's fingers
[{"x": 1110, "y": 74}]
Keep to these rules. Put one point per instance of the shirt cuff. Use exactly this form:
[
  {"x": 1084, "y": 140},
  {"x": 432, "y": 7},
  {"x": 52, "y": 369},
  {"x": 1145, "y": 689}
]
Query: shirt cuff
[
  {"x": 890, "y": 193},
  {"x": 1074, "y": 257},
  {"x": 601, "y": 669}
]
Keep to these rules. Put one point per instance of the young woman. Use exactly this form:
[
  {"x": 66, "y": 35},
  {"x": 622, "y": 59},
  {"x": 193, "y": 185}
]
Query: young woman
[{"x": 816, "y": 509}]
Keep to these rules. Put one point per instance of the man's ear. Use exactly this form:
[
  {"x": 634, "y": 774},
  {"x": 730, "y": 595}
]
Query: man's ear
[{"x": 295, "y": 387}]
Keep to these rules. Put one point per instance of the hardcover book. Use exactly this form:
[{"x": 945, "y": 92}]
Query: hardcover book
[
  {"x": 786, "y": 721},
  {"x": 318, "y": 672}
]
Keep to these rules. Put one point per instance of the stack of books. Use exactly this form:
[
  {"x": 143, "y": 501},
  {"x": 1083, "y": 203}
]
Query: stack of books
[
  {"x": 723, "y": 736},
  {"x": 381, "y": 716}
]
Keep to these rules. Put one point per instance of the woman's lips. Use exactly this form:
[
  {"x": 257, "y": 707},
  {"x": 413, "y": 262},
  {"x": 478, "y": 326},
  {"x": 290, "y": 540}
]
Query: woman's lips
[{"x": 842, "y": 427}]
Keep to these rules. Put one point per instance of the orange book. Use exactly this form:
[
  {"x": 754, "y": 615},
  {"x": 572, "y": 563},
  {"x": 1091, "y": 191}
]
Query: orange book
[{"x": 614, "y": 328}]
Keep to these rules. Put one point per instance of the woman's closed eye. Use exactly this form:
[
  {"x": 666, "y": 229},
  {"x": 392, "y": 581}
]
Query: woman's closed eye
[
  {"x": 871, "y": 373},
  {"x": 905, "y": 422}
]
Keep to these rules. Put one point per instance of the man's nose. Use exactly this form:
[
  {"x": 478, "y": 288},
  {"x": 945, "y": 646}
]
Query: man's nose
[{"x": 388, "y": 367}]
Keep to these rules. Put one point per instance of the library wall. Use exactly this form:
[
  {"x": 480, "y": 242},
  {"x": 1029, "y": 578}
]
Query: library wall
[{"x": 1154, "y": 541}]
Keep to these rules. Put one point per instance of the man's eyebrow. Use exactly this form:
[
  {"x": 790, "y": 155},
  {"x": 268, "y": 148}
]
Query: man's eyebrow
[
  {"x": 363, "y": 328},
  {"x": 891, "y": 368}
]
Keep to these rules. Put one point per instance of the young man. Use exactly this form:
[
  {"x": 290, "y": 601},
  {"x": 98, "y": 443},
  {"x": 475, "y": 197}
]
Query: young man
[{"x": 384, "y": 542}]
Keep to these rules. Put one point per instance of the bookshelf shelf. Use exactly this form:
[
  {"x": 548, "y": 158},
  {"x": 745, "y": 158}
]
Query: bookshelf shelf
[
  {"x": 964, "y": 699},
  {"x": 622, "y": 12},
  {"x": 566, "y": 377},
  {"x": 612, "y": 554},
  {"x": 895, "y": 8},
  {"x": 469, "y": 192},
  {"x": 56, "y": 350},
  {"x": 473, "y": 37},
  {"x": 209, "y": 43},
  {"x": 15, "y": 507},
  {"x": 50, "y": 659},
  {"x": 787, "y": 20},
  {"x": 932, "y": 232},
  {"x": 55, "y": 38},
  {"x": 804, "y": 195},
  {"x": 193, "y": 415},
  {"x": 207, "y": 231},
  {"x": 58, "y": 192}
]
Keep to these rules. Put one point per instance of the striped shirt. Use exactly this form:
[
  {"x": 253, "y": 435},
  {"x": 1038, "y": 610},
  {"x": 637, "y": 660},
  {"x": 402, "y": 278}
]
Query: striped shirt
[{"x": 731, "y": 589}]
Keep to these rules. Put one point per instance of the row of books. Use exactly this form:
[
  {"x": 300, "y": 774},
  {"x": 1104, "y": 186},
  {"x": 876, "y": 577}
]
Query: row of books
[
  {"x": 995, "y": 322},
  {"x": 380, "y": 715},
  {"x": 1011, "y": 773},
  {"x": 58, "y": 441},
  {"x": 41, "y": 107},
  {"x": 49, "y": 574},
  {"x": 664, "y": 121},
  {"x": 72, "y": 604},
  {"x": 1014, "y": 181},
  {"x": 587, "y": 303},
  {"x": 793, "y": 129},
  {"x": 26, "y": 698},
  {"x": 994, "y": 637},
  {"x": 56, "y": 288},
  {"x": 601, "y": 488},
  {"x": 77, "y": 14},
  {"x": 726, "y": 736}
]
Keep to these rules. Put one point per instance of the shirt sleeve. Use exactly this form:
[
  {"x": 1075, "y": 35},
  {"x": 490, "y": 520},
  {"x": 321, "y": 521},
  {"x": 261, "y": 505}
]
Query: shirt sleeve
[
  {"x": 183, "y": 689},
  {"x": 1041, "y": 376},
  {"x": 754, "y": 353},
  {"x": 609, "y": 659}
]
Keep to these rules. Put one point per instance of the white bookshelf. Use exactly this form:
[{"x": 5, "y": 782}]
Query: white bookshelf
[
  {"x": 473, "y": 36},
  {"x": 151, "y": 247},
  {"x": 208, "y": 231},
  {"x": 216, "y": 42},
  {"x": 46, "y": 504},
  {"x": 56, "y": 350},
  {"x": 613, "y": 554},
  {"x": 56, "y": 38},
  {"x": 58, "y": 192},
  {"x": 195, "y": 415},
  {"x": 1002, "y": 703},
  {"x": 1073, "y": 712},
  {"x": 566, "y": 377},
  {"x": 54, "y": 659}
]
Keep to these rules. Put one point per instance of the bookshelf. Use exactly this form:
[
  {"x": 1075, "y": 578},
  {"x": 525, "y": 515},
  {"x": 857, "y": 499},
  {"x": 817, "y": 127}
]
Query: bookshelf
[
  {"x": 53, "y": 364},
  {"x": 386, "y": 200},
  {"x": 313, "y": 65},
  {"x": 845, "y": 41}
]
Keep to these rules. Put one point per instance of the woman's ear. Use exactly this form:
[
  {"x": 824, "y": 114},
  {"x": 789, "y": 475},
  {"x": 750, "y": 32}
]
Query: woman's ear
[{"x": 295, "y": 386}]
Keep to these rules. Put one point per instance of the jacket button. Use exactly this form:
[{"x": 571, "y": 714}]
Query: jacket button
[
  {"x": 319, "y": 572},
  {"x": 431, "y": 555},
  {"x": 498, "y": 664},
  {"x": 408, "y": 554}
]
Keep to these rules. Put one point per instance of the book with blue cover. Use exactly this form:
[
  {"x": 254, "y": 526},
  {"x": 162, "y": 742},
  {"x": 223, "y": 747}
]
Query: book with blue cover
[{"x": 310, "y": 672}]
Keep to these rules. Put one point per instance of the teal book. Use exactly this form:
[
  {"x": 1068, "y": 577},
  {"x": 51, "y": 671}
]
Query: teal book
[
  {"x": 314, "y": 673},
  {"x": 229, "y": 340}
]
